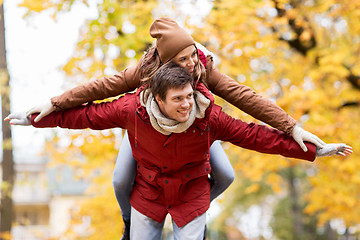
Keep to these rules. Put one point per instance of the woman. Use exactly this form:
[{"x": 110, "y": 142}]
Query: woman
[{"x": 174, "y": 43}]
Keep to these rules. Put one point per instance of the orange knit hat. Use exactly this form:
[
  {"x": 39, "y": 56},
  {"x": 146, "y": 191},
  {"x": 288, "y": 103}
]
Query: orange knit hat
[{"x": 170, "y": 38}]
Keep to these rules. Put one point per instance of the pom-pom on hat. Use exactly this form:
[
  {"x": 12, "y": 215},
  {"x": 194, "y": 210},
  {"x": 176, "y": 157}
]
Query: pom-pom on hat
[{"x": 170, "y": 38}]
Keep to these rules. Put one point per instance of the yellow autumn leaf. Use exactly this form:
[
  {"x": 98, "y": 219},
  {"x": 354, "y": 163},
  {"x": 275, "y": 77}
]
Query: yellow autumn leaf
[
  {"x": 274, "y": 180},
  {"x": 305, "y": 35},
  {"x": 339, "y": 70},
  {"x": 311, "y": 209},
  {"x": 333, "y": 58},
  {"x": 252, "y": 188},
  {"x": 6, "y": 235},
  {"x": 34, "y": 5}
]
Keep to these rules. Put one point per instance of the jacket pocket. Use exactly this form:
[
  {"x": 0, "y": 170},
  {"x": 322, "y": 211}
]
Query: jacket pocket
[
  {"x": 194, "y": 188},
  {"x": 146, "y": 183},
  {"x": 148, "y": 175},
  {"x": 147, "y": 190}
]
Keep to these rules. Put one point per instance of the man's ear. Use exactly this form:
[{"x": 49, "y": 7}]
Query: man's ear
[{"x": 159, "y": 100}]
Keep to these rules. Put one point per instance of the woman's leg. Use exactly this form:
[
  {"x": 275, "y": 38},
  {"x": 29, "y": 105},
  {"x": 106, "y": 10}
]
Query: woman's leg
[
  {"x": 124, "y": 176},
  {"x": 193, "y": 230},
  {"x": 143, "y": 227},
  {"x": 222, "y": 173}
]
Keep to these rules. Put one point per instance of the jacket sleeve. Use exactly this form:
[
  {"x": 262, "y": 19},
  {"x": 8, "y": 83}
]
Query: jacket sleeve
[
  {"x": 247, "y": 100},
  {"x": 259, "y": 138},
  {"x": 97, "y": 116},
  {"x": 102, "y": 88}
]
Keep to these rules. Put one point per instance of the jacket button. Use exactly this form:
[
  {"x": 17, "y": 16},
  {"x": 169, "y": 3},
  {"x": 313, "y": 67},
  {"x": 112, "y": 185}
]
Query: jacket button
[
  {"x": 187, "y": 175},
  {"x": 169, "y": 207},
  {"x": 165, "y": 145},
  {"x": 165, "y": 167},
  {"x": 207, "y": 169},
  {"x": 201, "y": 133},
  {"x": 166, "y": 181},
  {"x": 194, "y": 131},
  {"x": 149, "y": 176}
]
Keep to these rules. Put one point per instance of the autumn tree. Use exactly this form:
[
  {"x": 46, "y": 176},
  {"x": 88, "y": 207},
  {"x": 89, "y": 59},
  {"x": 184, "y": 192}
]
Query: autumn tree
[
  {"x": 302, "y": 54},
  {"x": 107, "y": 44},
  {"x": 305, "y": 56},
  {"x": 6, "y": 207}
]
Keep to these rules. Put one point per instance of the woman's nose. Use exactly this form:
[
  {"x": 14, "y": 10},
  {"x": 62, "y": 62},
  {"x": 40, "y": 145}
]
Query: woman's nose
[{"x": 191, "y": 63}]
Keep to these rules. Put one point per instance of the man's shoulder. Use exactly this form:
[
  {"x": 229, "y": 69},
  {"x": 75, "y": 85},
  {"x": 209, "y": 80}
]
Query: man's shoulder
[
  {"x": 205, "y": 91},
  {"x": 126, "y": 101},
  {"x": 215, "y": 111},
  {"x": 217, "y": 115}
]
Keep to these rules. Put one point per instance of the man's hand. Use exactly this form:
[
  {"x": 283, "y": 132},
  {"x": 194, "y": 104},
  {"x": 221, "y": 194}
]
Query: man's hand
[
  {"x": 300, "y": 135},
  {"x": 18, "y": 119},
  {"x": 331, "y": 149},
  {"x": 44, "y": 110}
]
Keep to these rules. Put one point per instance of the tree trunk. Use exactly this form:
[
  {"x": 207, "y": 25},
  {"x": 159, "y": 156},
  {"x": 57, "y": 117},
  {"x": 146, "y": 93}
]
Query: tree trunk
[
  {"x": 295, "y": 208},
  {"x": 6, "y": 213},
  {"x": 330, "y": 233}
]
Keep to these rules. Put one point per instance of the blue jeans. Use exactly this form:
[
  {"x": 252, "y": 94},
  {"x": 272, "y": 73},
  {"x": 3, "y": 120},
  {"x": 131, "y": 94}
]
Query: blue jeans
[
  {"x": 143, "y": 227},
  {"x": 222, "y": 174}
]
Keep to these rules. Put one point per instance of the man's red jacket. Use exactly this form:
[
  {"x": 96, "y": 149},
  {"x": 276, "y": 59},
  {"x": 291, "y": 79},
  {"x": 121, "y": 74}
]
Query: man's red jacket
[{"x": 172, "y": 171}]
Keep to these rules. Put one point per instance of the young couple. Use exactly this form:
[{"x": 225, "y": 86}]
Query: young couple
[{"x": 172, "y": 125}]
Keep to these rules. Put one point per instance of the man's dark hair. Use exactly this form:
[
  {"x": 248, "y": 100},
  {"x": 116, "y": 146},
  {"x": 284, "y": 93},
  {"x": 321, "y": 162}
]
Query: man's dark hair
[{"x": 170, "y": 75}]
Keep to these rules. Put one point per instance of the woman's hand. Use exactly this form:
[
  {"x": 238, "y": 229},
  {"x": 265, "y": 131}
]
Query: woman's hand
[
  {"x": 300, "y": 135},
  {"x": 43, "y": 110}
]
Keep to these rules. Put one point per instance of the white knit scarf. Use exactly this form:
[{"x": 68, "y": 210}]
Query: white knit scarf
[{"x": 166, "y": 125}]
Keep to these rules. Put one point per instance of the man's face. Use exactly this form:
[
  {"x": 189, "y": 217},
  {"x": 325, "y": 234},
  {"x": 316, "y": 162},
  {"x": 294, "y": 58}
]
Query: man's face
[{"x": 177, "y": 103}]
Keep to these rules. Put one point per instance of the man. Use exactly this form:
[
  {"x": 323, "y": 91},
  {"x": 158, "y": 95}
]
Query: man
[{"x": 171, "y": 127}]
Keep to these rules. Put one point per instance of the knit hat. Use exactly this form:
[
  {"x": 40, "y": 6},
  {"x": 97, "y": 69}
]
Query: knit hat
[{"x": 170, "y": 38}]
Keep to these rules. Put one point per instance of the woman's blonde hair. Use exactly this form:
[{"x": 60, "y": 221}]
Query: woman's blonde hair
[{"x": 151, "y": 64}]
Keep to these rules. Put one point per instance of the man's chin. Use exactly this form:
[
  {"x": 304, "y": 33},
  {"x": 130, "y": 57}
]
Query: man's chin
[{"x": 182, "y": 120}]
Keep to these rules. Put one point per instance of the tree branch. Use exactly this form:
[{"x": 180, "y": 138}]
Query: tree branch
[{"x": 298, "y": 44}]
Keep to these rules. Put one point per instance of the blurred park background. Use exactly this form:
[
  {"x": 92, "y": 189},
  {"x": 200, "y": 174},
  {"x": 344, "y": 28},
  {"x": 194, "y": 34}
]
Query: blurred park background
[{"x": 302, "y": 54}]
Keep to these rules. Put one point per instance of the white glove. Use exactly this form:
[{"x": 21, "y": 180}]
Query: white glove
[
  {"x": 334, "y": 148},
  {"x": 300, "y": 135},
  {"x": 44, "y": 110},
  {"x": 18, "y": 119}
]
